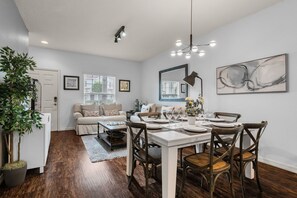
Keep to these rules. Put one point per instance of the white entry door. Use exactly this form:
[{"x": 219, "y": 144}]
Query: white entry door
[{"x": 49, "y": 93}]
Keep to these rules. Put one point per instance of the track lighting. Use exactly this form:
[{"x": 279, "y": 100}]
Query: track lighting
[{"x": 120, "y": 34}]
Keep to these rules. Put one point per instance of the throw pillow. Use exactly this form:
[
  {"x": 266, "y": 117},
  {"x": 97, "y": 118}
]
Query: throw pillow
[
  {"x": 111, "y": 112},
  {"x": 145, "y": 109},
  {"x": 166, "y": 109},
  {"x": 90, "y": 113},
  {"x": 152, "y": 107}
]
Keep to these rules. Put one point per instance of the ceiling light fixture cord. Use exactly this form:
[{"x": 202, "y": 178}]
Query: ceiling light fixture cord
[{"x": 188, "y": 50}]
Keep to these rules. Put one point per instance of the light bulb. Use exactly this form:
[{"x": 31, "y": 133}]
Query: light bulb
[
  {"x": 123, "y": 34},
  {"x": 201, "y": 53},
  {"x": 194, "y": 49},
  {"x": 173, "y": 53},
  {"x": 44, "y": 42},
  {"x": 212, "y": 43},
  {"x": 119, "y": 38},
  {"x": 188, "y": 56},
  {"x": 178, "y": 43},
  {"x": 179, "y": 52}
]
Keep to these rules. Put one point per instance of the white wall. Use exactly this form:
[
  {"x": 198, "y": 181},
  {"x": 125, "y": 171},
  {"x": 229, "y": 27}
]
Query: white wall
[
  {"x": 266, "y": 33},
  {"x": 76, "y": 64}
]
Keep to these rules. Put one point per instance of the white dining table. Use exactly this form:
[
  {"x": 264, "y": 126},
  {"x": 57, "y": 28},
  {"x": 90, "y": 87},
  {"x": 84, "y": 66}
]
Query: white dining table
[{"x": 170, "y": 141}]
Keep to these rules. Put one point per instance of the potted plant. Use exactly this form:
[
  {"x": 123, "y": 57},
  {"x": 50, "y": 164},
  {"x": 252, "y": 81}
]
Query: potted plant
[
  {"x": 16, "y": 117},
  {"x": 193, "y": 108}
]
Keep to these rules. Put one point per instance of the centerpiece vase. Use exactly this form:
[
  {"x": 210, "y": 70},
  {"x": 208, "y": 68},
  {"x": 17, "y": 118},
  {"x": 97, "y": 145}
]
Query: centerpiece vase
[{"x": 191, "y": 120}]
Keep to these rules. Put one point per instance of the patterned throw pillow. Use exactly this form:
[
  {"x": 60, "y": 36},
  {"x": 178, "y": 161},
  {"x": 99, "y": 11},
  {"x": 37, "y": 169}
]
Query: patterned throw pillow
[
  {"x": 91, "y": 113},
  {"x": 111, "y": 112}
]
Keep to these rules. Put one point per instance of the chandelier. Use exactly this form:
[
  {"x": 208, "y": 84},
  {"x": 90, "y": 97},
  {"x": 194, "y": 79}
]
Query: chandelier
[{"x": 189, "y": 49}]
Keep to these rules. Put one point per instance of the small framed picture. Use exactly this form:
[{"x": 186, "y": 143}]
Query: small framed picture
[
  {"x": 183, "y": 88},
  {"x": 71, "y": 82},
  {"x": 124, "y": 85}
]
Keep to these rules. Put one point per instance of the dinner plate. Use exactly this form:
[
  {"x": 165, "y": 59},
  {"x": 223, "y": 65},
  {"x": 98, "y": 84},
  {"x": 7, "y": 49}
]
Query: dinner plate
[
  {"x": 162, "y": 121},
  {"x": 216, "y": 119},
  {"x": 153, "y": 126},
  {"x": 193, "y": 128},
  {"x": 223, "y": 124}
]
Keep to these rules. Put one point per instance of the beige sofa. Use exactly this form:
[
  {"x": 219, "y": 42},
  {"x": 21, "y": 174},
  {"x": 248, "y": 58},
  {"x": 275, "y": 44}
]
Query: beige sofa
[
  {"x": 152, "y": 107},
  {"x": 87, "y": 116}
]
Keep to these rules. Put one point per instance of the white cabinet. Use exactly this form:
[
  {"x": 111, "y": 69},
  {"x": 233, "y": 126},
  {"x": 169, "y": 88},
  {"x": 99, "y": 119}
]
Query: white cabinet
[{"x": 34, "y": 146}]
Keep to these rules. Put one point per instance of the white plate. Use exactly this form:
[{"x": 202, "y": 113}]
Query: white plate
[
  {"x": 153, "y": 126},
  {"x": 194, "y": 128},
  {"x": 161, "y": 121},
  {"x": 216, "y": 119},
  {"x": 223, "y": 124}
]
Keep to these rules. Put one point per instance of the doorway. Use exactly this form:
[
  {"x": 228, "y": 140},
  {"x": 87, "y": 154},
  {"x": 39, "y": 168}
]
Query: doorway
[{"x": 48, "y": 102}]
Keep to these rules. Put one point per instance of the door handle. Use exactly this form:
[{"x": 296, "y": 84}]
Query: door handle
[{"x": 55, "y": 99}]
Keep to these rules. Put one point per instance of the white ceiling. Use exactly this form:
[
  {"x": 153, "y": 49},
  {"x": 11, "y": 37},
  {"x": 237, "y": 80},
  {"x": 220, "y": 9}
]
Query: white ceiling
[{"x": 152, "y": 26}]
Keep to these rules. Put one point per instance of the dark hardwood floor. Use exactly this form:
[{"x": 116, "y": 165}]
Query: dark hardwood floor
[{"x": 69, "y": 173}]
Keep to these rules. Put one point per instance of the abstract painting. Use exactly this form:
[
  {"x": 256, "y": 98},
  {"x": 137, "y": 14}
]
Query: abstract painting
[{"x": 258, "y": 76}]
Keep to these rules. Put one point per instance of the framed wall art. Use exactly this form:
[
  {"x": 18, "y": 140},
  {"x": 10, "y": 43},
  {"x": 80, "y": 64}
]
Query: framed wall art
[
  {"x": 124, "y": 85},
  {"x": 71, "y": 82},
  {"x": 183, "y": 88},
  {"x": 257, "y": 76}
]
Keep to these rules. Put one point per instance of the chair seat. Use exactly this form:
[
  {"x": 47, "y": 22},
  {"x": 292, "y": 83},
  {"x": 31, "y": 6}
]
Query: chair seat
[
  {"x": 200, "y": 160},
  {"x": 247, "y": 156},
  {"x": 154, "y": 155}
]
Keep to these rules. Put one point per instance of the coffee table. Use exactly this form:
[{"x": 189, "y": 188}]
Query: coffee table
[{"x": 114, "y": 133}]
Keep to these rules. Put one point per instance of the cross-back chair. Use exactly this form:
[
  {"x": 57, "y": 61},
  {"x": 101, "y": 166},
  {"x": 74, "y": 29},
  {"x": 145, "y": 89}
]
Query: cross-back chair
[
  {"x": 211, "y": 166},
  {"x": 243, "y": 156},
  {"x": 229, "y": 117},
  {"x": 148, "y": 156},
  {"x": 155, "y": 115}
]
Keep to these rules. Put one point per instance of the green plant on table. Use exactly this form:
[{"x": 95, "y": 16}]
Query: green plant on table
[{"x": 193, "y": 108}]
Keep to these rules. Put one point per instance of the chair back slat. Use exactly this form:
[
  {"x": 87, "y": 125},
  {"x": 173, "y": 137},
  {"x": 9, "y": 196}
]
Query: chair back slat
[
  {"x": 231, "y": 117},
  {"x": 255, "y": 137},
  {"x": 219, "y": 135},
  {"x": 149, "y": 115},
  {"x": 139, "y": 139}
]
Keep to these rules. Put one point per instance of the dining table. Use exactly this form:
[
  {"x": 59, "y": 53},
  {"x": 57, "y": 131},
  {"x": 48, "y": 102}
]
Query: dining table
[{"x": 171, "y": 137}]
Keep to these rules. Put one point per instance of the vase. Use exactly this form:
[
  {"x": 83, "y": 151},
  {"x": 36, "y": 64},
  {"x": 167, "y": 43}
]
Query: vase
[{"x": 191, "y": 120}]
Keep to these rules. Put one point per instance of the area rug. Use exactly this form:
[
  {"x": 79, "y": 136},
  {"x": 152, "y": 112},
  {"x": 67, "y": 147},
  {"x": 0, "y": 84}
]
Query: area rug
[{"x": 99, "y": 151}]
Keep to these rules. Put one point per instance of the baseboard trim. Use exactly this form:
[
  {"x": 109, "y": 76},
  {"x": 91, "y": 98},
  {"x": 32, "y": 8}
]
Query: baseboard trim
[{"x": 279, "y": 165}]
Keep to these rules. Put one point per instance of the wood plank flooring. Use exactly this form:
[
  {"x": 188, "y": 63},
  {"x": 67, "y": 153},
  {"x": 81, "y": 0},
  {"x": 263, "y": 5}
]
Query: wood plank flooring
[{"x": 69, "y": 173}]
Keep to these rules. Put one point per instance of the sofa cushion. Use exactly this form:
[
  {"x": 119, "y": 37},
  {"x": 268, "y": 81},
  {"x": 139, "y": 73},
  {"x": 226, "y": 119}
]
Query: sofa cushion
[
  {"x": 111, "y": 112},
  {"x": 76, "y": 108},
  {"x": 94, "y": 120},
  {"x": 89, "y": 107},
  {"x": 109, "y": 107},
  {"x": 90, "y": 113}
]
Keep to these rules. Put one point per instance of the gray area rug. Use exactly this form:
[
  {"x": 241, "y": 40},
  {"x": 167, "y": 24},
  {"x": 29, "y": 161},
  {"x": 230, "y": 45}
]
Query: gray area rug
[{"x": 99, "y": 151}]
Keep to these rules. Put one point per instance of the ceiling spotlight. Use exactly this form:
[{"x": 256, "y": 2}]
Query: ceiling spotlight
[
  {"x": 120, "y": 33},
  {"x": 44, "y": 42}
]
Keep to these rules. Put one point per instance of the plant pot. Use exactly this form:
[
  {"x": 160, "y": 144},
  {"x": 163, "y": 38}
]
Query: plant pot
[
  {"x": 15, "y": 176},
  {"x": 191, "y": 120}
]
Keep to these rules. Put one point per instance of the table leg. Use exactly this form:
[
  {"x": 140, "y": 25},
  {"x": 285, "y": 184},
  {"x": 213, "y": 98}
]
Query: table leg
[
  {"x": 249, "y": 171},
  {"x": 98, "y": 131},
  {"x": 169, "y": 169},
  {"x": 129, "y": 154}
]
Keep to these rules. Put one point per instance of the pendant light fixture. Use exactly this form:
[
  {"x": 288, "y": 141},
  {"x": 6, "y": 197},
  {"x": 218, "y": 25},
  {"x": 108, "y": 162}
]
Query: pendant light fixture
[{"x": 189, "y": 49}]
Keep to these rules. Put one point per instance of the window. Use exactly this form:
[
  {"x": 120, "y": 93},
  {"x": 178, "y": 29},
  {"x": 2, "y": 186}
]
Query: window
[
  {"x": 99, "y": 89},
  {"x": 170, "y": 89}
]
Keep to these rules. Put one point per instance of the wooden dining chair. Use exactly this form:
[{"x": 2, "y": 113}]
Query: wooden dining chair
[
  {"x": 243, "y": 156},
  {"x": 147, "y": 155},
  {"x": 155, "y": 115},
  {"x": 229, "y": 117},
  {"x": 211, "y": 166}
]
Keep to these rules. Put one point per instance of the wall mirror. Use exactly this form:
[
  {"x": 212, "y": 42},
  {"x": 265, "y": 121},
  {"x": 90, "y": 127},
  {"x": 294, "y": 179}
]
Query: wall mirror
[{"x": 171, "y": 84}]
